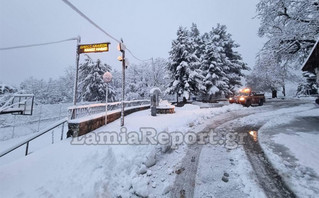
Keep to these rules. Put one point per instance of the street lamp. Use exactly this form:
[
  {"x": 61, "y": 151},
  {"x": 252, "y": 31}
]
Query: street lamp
[{"x": 107, "y": 78}]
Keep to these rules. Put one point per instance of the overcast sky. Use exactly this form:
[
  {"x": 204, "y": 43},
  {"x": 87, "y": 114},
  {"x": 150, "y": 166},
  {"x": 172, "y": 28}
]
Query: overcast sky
[{"x": 146, "y": 26}]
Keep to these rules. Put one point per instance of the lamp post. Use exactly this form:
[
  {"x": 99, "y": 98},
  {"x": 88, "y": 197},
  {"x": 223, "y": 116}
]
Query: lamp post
[{"x": 107, "y": 78}]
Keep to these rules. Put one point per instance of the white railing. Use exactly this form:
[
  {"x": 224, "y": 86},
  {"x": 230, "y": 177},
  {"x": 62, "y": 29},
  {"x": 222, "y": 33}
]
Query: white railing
[{"x": 87, "y": 110}]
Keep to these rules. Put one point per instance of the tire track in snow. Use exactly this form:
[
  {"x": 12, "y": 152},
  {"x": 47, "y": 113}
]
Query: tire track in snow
[{"x": 184, "y": 184}]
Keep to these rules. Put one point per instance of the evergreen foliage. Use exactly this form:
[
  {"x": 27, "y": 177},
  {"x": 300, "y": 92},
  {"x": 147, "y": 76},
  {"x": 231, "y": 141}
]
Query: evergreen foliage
[{"x": 206, "y": 65}]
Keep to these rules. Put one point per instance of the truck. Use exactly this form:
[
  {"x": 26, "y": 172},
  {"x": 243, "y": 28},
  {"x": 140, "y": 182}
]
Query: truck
[{"x": 246, "y": 97}]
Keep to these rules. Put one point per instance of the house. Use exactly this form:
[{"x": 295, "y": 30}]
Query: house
[{"x": 312, "y": 62}]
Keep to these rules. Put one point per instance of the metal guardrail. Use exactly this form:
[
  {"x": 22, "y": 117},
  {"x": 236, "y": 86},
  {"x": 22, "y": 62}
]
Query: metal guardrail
[
  {"x": 42, "y": 132},
  {"x": 87, "y": 110}
]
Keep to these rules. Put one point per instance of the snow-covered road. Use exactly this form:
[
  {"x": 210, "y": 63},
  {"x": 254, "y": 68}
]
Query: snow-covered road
[
  {"x": 185, "y": 183},
  {"x": 247, "y": 171}
]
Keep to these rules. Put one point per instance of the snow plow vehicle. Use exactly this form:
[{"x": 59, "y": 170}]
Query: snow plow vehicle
[
  {"x": 246, "y": 97},
  {"x": 233, "y": 99}
]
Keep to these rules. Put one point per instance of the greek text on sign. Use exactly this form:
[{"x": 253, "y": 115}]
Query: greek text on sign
[{"x": 93, "y": 48}]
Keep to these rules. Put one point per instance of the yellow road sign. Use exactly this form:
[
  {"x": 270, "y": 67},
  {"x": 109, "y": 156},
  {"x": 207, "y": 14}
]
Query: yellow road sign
[{"x": 93, "y": 48}]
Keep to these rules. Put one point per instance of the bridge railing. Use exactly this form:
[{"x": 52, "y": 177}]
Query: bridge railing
[{"x": 91, "y": 109}]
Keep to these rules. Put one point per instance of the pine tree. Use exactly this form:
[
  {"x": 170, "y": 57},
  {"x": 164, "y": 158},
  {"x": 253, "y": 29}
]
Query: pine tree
[
  {"x": 222, "y": 65},
  {"x": 233, "y": 63},
  {"x": 197, "y": 44},
  {"x": 91, "y": 80},
  {"x": 181, "y": 65},
  {"x": 214, "y": 64},
  {"x": 196, "y": 48},
  {"x": 206, "y": 64}
]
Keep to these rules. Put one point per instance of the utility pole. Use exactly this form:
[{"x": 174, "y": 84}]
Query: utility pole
[
  {"x": 123, "y": 87},
  {"x": 121, "y": 48},
  {"x": 75, "y": 91}
]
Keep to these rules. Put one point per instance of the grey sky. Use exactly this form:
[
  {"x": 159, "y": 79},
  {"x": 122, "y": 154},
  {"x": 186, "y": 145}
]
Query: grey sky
[{"x": 146, "y": 26}]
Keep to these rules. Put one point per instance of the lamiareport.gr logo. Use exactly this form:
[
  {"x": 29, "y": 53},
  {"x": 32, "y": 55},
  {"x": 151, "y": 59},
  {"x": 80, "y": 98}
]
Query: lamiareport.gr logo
[{"x": 149, "y": 135}]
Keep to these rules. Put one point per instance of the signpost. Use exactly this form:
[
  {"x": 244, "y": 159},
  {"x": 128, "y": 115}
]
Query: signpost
[
  {"x": 93, "y": 48},
  {"x": 85, "y": 48}
]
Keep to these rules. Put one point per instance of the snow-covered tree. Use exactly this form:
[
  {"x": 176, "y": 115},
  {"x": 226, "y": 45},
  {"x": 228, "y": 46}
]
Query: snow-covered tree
[
  {"x": 142, "y": 77},
  {"x": 92, "y": 86},
  {"x": 214, "y": 76},
  {"x": 7, "y": 89},
  {"x": 234, "y": 61},
  {"x": 291, "y": 28},
  {"x": 197, "y": 44},
  {"x": 66, "y": 84},
  {"x": 137, "y": 83},
  {"x": 158, "y": 73},
  {"x": 36, "y": 87},
  {"x": 222, "y": 65},
  {"x": 265, "y": 76},
  {"x": 309, "y": 86},
  {"x": 206, "y": 65},
  {"x": 116, "y": 84},
  {"x": 182, "y": 66}
]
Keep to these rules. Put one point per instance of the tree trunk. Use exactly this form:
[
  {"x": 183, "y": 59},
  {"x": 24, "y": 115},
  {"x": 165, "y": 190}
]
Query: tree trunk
[
  {"x": 284, "y": 90},
  {"x": 184, "y": 100},
  {"x": 274, "y": 93}
]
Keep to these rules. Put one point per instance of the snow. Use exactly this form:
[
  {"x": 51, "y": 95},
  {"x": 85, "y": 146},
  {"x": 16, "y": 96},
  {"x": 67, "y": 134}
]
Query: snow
[
  {"x": 209, "y": 174},
  {"x": 290, "y": 140},
  {"x": 95, "y": 116},
  {"x": 164, "y": 104},
  {"x": 155, "y": 89},
  {"x": 300, "y": 142},
  {"x": 65, "y": 170}
]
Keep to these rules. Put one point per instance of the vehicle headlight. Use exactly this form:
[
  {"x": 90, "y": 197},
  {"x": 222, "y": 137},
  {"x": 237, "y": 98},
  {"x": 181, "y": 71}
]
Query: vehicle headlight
[
  {"x": 230, "y": 98},
  {"x": 241, "y": 98}
]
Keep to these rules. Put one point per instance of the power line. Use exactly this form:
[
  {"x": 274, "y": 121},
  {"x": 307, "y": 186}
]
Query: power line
[
  {"x": 36, "y": 45},
  {"x": 98, "y": 27},
  {"x": 136, "y": 57},
  {"x": 87, "y": 18}
]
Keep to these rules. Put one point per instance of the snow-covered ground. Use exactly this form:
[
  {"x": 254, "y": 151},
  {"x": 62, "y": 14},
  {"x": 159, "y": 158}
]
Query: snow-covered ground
[
  {"x": 15, "y": 126},
  {"x": 290, "y": 139},
  {"x": 67, "y": 170},
  {"x": 291, "y": 142}
]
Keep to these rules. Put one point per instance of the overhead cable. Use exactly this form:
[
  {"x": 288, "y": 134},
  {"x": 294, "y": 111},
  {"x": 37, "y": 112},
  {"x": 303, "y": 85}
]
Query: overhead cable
[
  {"x": 101, "y": 29},
  {"x": 35, "y": 45}
]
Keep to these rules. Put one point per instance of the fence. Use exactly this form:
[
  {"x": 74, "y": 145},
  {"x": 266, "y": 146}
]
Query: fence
[
  {"x": 87, "y": 110},
  {"x": 42, "y": 132}
]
